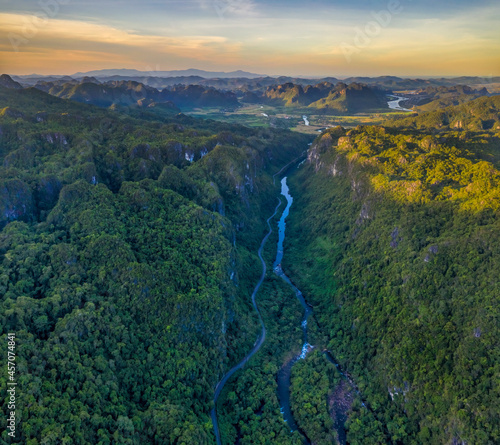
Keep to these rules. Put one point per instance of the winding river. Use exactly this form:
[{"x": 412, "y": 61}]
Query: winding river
[
  {"x": 394, "y": 103},
  {"x": 284, "y": 373}
]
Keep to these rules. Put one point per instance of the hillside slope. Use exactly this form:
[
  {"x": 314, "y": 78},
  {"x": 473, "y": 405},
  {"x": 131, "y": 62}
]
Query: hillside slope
[
  {"x": 396, "y": 245},
  {"x": 326, "y": 97},
  {"x": 436, "y": 98},
  {"x": 126, "y": 256},
  {"x": 476, "y": 115},
  {"x": 126, "y": 93}
]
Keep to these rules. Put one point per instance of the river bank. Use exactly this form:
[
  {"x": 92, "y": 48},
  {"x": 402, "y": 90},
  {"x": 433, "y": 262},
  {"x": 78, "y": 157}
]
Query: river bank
[
  {"x": 341, "y": 390},
  {"x": 247, "y": 406},
  {"x": 261, "y": 393}
]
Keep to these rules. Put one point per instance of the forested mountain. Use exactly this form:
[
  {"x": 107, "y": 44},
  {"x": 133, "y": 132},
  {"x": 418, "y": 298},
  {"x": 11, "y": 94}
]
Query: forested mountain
[
  {"x": 127, "y": 257},
  {"x": 239, "y": 80},
  {"x": 395, "y": 239},
  {"x": 127, "y": 249},
  {"x": 197, "y": 96},
  {"x": 323, "y": 96},
  {"x": 290, "y": 94},
  {"x": 397, "y": 83},
  {"x": 476, "y": 115},
  {"x": 326, "y": 97},
  {"x": 7, "y": 82},
  {"x": 127, "y": 93},
  {"x": 436, "y": 98}
]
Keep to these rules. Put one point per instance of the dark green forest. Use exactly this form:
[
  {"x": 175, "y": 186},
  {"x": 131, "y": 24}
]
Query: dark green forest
[
  {"x": 395, "y": 240},
  {"x": 325, "y": 97},
  {"x": 128, "y": 254},
  {"x": 127, "y": 250}
]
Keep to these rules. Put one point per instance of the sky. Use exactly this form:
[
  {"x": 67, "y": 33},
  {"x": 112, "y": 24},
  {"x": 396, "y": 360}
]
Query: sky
[{"x": 276, "y": 37}]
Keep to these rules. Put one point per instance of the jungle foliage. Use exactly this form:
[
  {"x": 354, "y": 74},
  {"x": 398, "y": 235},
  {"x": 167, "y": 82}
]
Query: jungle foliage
[
  {"x": 126, "y": 255},
  {"x": 394, "y": 240}
]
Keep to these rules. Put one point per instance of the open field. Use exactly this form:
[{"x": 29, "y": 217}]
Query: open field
[{"x": 279, "y": 117}]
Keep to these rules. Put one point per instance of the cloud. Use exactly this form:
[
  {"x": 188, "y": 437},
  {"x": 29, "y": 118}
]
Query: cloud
[
  {"x": 29, "y": 28},
  {"x": 253, "y": 36},
  {"x": 33, "y": 38},
  {"x": 230, "y": 8}
]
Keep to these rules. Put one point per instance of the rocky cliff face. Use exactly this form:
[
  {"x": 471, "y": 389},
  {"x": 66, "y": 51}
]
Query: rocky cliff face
[{"x": 16, "y": 202}]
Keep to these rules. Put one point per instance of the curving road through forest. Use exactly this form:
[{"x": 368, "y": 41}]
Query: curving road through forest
[{"x": 260, "y": 340}]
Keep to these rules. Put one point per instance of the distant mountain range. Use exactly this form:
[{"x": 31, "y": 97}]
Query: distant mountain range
[
  {"x": 126, "y": 93},
  {"x": 245, "y": 81},
  {"x": 330, "y": 96},
  {"x": 174, "y": 73},
  {"x": 325, "y": 97}
]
